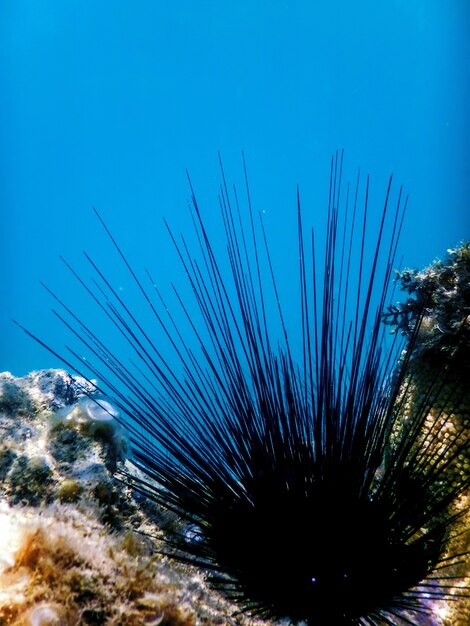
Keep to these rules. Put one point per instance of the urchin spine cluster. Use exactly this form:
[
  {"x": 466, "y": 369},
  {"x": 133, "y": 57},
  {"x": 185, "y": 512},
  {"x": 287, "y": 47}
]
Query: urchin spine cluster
[{"x": 317, "y": 489}]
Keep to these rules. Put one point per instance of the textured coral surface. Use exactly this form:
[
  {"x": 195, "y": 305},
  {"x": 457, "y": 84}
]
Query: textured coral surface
[{"x": 75, "y": 546}]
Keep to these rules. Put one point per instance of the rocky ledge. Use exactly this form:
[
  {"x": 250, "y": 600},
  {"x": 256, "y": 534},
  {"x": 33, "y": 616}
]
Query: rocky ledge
[{"x": 78, "y": 546}]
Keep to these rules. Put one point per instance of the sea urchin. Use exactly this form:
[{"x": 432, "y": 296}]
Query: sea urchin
[{"x": 308, "y": 484}]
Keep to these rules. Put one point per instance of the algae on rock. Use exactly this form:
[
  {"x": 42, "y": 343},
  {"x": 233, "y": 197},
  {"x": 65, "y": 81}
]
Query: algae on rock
[
  {"x": 441, "y": 357},
  {"x": 76, "y": 546}
]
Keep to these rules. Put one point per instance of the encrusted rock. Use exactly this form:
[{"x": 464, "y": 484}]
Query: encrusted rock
[{"x": 76, "y": 547}]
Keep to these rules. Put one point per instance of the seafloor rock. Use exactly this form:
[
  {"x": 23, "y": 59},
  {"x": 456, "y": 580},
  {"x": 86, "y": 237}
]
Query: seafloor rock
[
  {"x": 443, "y": 289},
  {"x": 441, "y": 358},
  {"x": 75, "y": 546}
]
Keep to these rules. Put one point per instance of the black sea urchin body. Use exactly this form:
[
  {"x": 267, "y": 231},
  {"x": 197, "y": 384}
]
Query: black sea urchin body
[{"x": 311, "y": 488}]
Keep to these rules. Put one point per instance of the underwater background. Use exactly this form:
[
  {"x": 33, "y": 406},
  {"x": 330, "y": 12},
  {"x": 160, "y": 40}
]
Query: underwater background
[{"x": 107, "y": 103}]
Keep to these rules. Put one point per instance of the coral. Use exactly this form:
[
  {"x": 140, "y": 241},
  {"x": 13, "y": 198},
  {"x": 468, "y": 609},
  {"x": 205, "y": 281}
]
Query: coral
[
  {"x": 59, "y": 451},
  {"x": 442, "y": 344},
  {"x": 75, "y": 546},
  {"x": 443, "y": 289}
]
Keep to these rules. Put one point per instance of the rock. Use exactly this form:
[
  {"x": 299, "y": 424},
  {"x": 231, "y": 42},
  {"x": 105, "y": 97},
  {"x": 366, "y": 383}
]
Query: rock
[{"x": 76, "y": 546}]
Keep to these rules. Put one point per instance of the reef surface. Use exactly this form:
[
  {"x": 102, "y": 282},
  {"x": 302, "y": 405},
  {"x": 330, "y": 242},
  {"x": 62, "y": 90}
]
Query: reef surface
[{"x": 77, "y": 546}]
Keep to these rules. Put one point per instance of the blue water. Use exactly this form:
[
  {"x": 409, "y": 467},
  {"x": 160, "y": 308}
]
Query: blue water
[{"x": 107, "y": 103}]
